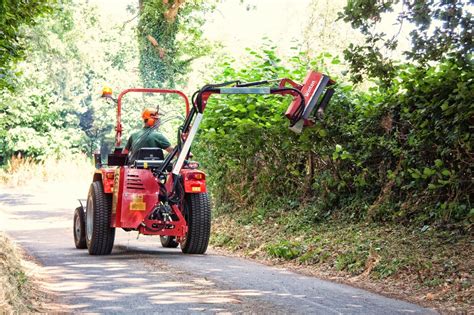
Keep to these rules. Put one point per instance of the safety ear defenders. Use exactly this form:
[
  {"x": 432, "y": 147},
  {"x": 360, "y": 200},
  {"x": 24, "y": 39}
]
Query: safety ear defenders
[{"x": 150, "y": 122}]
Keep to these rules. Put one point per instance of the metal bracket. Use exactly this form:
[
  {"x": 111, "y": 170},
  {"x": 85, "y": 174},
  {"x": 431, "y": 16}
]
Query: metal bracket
[
  {"x": 187, "y": 144},
  {"x": 245, "y": 90}
]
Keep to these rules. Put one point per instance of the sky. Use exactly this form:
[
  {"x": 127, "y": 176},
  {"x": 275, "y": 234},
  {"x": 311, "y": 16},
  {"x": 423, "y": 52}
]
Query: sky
[{"x": 280, "y": 20}]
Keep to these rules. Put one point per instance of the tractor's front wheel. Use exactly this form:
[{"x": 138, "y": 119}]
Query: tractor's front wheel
[
  {"x": 79, "y": 228},
  {"x": 99, "y": 235},
  {"x": 168, "y": 241},
  {"x": 197, "y": 211}
]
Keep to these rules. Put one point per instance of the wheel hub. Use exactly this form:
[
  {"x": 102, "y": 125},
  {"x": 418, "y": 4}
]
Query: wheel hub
[{"x": 78, "y": 227}]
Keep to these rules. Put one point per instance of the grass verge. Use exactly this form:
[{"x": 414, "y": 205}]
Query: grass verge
[
  {"x": 29, "y": 172},
  {"x": 424, "y": 265},
  {"x": 17, "y": 291}
]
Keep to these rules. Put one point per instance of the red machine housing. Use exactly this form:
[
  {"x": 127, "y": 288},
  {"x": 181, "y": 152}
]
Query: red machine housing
[
  {"x": 312, "y": 89},
  {"x": 135, "y": 195}
]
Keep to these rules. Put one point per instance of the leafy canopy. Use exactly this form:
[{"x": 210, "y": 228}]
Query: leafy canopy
[
  {"x": 13, "y": 15},
  {"x": 55, "y": 107},
  {"x": 441, "y": 30}
]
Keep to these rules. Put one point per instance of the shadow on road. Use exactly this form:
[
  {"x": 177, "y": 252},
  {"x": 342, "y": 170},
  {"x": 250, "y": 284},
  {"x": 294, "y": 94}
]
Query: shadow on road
[
  {"x": 142, "y": 277},
  {"x": 130, "y": 278},
  {"x": 15, "y": 199}
]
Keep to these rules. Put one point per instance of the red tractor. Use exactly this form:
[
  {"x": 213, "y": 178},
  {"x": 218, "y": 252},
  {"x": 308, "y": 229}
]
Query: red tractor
[{"x": 167, "y": 196}]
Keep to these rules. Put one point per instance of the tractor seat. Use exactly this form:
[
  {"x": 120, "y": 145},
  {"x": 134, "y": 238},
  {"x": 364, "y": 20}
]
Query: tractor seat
[
  {"x": 151, "y": 164},
  {"x": 150, "y": 158},
  {"x": 150, "y": 154}
]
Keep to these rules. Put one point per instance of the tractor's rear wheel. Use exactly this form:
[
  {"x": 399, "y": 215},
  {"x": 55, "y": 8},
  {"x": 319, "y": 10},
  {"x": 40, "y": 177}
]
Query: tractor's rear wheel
[
  {"x": 79, "y": 228},
  {"x": 99, "y": 235},
  {"x": 197, "y": 211},
  {"x": 168, "y": 241}
]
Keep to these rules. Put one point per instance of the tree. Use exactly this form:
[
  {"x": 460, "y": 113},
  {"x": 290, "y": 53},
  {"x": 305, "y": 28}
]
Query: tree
[
  {"x": 443, "y": 30},
  {"x": 13, "y": 16},
  {"x": 323, "y": 32},
  {"x": 169, "y": 37},
  {"x": 57, "y": 96}
]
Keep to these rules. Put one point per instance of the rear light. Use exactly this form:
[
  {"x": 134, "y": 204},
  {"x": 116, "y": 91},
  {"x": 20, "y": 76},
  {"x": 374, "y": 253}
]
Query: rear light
[
  {"x": 196, "y": 188},
  {"x": 110, "y": 175},
  {"x": 196, "y": 176}
]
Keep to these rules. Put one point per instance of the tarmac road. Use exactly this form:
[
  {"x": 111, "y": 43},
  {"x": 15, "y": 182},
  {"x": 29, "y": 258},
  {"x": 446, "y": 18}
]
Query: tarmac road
[{"x": 142, "y": 277}]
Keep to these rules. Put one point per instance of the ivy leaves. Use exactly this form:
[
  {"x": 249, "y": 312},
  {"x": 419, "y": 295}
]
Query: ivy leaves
[{"x": 170, "y": 38}]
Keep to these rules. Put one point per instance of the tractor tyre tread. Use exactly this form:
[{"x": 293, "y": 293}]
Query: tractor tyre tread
[
  {"x": 199, "y": 224},
  {"x": 103, "y": 235},
  {"x": 81, "y": 241}
]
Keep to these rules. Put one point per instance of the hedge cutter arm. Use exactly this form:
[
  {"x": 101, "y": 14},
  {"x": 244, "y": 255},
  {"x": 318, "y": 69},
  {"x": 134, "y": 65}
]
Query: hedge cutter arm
[
  {"x": 307, "y": 96},
  {"x": 309, "y": 102}
]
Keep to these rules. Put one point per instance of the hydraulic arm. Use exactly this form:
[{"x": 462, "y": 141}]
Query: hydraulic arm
[{"x": 309, "y": 102}]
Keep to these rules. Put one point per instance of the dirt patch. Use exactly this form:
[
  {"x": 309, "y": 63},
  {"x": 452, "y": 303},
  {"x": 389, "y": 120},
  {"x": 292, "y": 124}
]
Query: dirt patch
[{"x": 431, "y": 268}]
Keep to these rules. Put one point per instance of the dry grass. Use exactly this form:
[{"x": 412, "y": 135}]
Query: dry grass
[
  {"x": 16, "y": 290},
  {"x": 28, "y": 172}
]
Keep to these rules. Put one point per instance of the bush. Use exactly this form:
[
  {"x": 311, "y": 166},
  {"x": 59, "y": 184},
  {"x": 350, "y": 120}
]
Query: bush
[
  {"x": 285, "y": 250},
  {"x": 401, "y": 154}
]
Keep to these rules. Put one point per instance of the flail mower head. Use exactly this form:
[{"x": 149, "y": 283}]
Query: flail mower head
[{"x": 317, "y": 94}]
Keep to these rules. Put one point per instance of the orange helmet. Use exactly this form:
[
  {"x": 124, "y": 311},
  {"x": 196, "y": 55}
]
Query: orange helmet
[{"x": 150, "y": 116}]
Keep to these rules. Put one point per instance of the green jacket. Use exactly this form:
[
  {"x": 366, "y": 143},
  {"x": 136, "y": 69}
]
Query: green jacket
[{"x": 146, "y": 138}]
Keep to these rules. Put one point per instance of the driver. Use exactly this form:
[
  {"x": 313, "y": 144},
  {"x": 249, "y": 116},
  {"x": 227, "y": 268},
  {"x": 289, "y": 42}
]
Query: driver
[{"x": 148, "y": 136}]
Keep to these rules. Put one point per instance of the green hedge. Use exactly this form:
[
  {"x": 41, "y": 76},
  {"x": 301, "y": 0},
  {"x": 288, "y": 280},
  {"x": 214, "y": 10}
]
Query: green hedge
[{"x": 402, "y": 154}]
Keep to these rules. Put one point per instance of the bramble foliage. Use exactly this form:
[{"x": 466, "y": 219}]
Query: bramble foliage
[
  {"x": 442, "y": 31},
  {"x": 14, "y": 15},
  {"x": 401, "y": 154}
]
